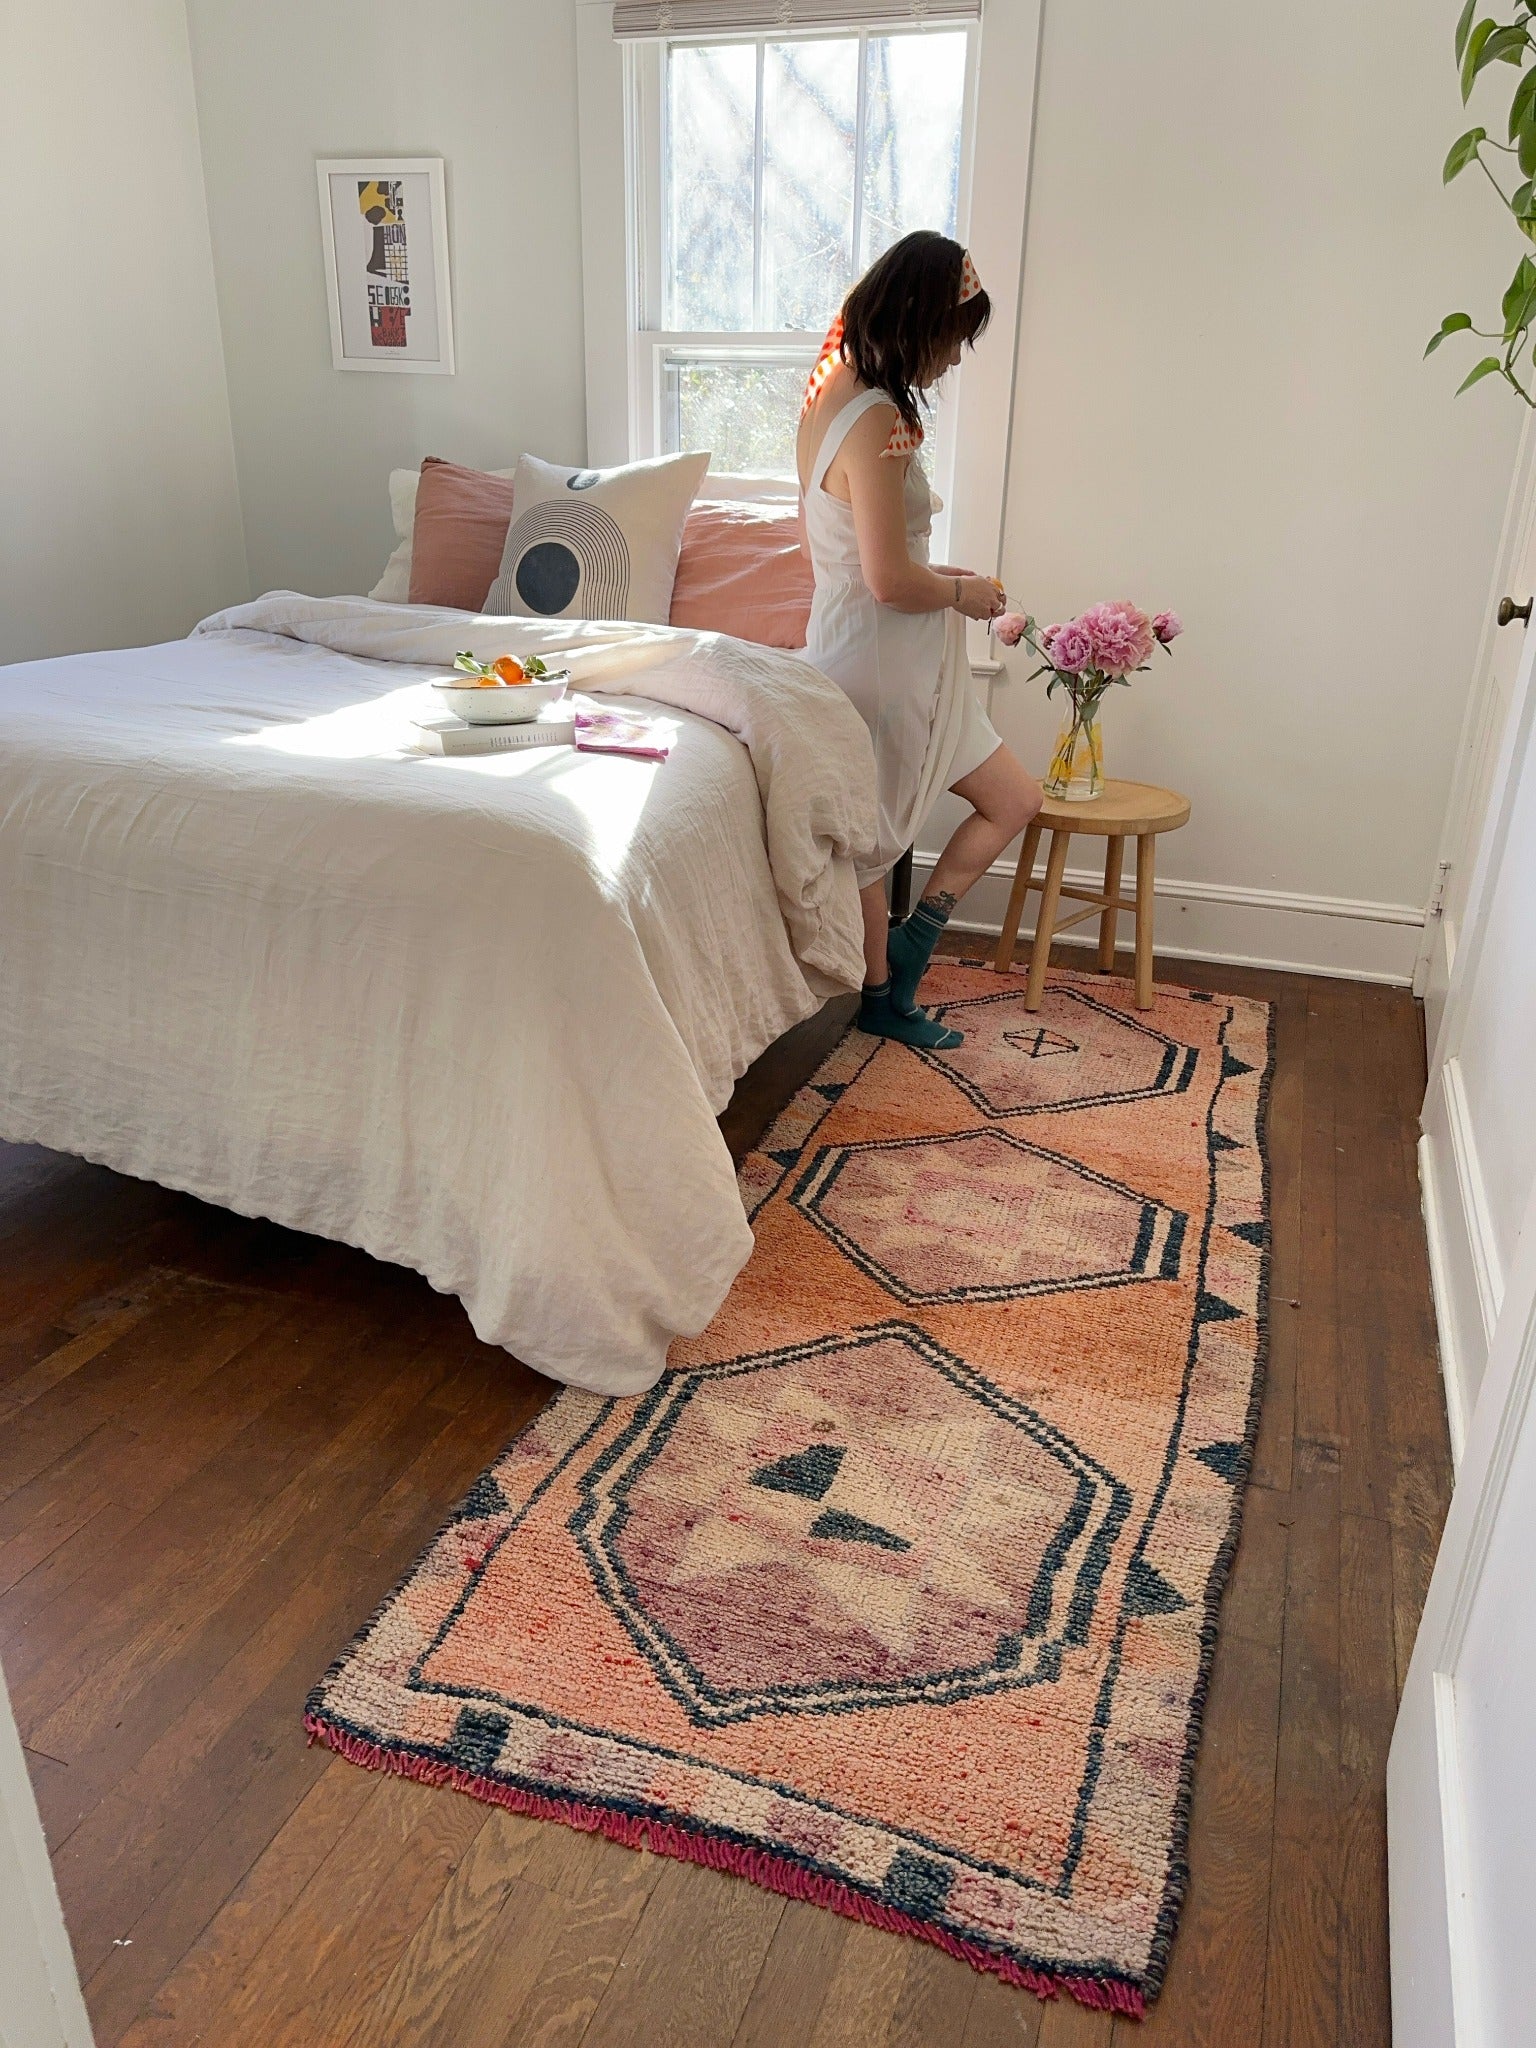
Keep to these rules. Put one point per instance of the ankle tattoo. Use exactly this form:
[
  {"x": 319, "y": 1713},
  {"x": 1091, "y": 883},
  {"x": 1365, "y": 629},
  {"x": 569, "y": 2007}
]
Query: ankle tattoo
[{"x": 941, "y": 902}]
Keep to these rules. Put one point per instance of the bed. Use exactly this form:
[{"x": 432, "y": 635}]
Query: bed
[{"x": 475, "y": 1015}]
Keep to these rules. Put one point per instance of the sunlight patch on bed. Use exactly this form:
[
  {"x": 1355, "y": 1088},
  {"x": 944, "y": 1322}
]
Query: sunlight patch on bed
[
  {"x": 610, "y": 796},
  {"x": 353, "y": 732}
]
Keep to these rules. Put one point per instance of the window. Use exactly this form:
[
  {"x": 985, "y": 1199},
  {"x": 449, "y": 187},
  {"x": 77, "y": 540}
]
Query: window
[{"x": 766, "y": 174}]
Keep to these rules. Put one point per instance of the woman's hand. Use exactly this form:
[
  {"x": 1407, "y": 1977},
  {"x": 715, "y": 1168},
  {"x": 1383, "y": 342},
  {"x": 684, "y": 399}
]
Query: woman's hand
[{"x": 978, "y": 597}]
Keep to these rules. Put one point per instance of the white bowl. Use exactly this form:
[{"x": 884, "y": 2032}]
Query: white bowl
[{"x": 502, "y": 703}]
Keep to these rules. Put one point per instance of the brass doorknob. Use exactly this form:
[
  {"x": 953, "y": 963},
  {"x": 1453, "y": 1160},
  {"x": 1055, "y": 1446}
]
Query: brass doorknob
[{"x": 1509, "y": 611}]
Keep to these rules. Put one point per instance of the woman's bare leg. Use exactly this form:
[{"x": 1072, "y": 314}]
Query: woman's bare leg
[{"x": 1004, "y": 798}]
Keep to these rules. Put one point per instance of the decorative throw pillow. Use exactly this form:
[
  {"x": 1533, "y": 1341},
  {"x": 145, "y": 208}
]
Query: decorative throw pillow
[
  {"x": 462, "y": 516},
  {"x": 595, "y": 543},
  {"x": 741, "y": 571},
  {"x": 394, "y": 586}
]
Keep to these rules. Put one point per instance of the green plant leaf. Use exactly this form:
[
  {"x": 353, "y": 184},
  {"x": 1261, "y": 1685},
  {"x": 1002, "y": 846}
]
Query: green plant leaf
[
  {"x": 1520, "y": 105},
  {"x": 1519, "y": 297},
  {"x": 1470, "y": 67},
  {"x": 1464, "y": 28},
  {"x": 1505, "y": 46},
  {"x": 1463, "y": 151},
  {"x": 1490, "y": 366},
  {"x": 1453, "y": 323}
]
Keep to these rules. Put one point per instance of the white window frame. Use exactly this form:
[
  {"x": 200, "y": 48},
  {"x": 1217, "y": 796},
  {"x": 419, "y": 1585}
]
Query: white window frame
[
  {"x": 619, "y": 88},
  {"x": 652, "y": 341}
]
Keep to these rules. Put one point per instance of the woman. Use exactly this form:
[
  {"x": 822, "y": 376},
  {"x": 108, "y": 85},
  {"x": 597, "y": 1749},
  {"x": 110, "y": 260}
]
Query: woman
[{"x": 888, "y": 627}]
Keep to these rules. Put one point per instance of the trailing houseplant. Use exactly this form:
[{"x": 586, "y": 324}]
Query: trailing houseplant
[{"x": 1481, "y": 42}]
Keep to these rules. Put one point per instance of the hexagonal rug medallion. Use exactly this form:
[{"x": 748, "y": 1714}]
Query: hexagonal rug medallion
[{"x": 898, "y": 1590}]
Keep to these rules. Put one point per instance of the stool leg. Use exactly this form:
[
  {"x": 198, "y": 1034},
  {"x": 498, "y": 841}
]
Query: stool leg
[
  {"x": 1003, "y": 959},
  {"x": 1114, "y": 854},
  {"x": 1146, "y": 845},
  {"x": 1050, "y": 896}
]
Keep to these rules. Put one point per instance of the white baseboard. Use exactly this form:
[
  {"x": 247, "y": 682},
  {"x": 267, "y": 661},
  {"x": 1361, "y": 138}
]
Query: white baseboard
[{"x": 1298, "y": 934}]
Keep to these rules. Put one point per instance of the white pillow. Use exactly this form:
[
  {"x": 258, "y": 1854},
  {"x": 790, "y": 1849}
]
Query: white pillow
[
  {"x": 595, "y": 543},
  {"x": 394, "y": 586}
]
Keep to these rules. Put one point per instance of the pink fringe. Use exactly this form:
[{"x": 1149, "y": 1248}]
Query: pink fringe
[{"x": 773, "y": 1873}]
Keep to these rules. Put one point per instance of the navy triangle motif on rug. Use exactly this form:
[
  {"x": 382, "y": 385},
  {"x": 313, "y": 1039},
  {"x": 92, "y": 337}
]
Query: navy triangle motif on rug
[
  {"x": 1212, "y": 1309},
  {"x": 809, "y": 1472},
  {"x": 854, "y": 1529},
  {"x": 1225, "y": 1460},
  {"x": 1148, "y": 1592}
]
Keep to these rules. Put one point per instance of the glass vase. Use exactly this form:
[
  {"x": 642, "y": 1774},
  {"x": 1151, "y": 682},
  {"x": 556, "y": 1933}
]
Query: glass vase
[{"x": 1076, "y": 773}]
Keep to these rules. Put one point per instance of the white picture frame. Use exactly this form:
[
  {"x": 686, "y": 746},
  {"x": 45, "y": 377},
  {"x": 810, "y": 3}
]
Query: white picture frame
[{"x": 384, "y": 224}]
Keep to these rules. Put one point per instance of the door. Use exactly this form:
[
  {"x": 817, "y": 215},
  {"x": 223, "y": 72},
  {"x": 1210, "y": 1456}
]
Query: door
[
  {"x": 1478, "y": 1151},
  {"x": 1461, "y": 1780},
  {"x": 1496, "y": 671}
]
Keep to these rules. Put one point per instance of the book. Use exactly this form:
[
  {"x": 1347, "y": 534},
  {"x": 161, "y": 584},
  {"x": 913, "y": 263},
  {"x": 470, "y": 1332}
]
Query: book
[{"x": 449, "y": 735}]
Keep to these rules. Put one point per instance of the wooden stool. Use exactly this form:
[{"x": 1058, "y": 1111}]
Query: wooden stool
[{"x": 1126, "y": 810}]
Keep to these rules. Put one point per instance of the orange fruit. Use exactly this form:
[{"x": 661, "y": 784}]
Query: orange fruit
[{"x": 509, "y": 671}]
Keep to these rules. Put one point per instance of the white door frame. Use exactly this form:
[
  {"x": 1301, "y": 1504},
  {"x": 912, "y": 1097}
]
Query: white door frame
[
  {"x": 1435, "y": 1997},
  {"x": 40, "y": 2002}
]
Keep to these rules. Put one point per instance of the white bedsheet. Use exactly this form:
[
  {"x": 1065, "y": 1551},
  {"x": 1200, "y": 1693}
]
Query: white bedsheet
[{"x": 475, "y": 1015}]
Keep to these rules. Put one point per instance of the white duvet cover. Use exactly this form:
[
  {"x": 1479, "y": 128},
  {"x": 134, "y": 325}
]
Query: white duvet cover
[{"x": 476, "y": 1015}]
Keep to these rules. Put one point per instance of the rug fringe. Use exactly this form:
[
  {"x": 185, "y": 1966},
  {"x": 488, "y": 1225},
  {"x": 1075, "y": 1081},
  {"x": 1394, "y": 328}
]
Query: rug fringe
[{"x": 773, "y": 1873}]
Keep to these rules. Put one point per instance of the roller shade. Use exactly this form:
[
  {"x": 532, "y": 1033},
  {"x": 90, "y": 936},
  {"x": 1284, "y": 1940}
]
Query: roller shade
[{"x": 642, "y": 19}]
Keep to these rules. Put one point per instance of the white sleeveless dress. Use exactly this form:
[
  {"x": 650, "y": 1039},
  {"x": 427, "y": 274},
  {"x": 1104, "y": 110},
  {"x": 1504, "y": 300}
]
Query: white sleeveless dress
[{"x": 906, "y": 672}]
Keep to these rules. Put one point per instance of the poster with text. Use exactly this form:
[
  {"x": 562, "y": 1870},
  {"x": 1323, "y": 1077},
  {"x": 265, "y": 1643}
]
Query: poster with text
[{"x": 385, "y": 227}]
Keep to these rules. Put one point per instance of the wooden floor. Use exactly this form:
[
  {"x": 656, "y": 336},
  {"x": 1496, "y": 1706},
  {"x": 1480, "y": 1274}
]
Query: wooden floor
[{"x": 221, "y": 1444}]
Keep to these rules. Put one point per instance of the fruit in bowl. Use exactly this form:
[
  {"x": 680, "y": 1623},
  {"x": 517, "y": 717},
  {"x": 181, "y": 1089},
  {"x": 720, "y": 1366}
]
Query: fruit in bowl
[{"x": 501, "y": 692}]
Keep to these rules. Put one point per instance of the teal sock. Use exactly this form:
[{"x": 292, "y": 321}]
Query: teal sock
[
  {"x": 911, "y": 947},
  {"x": 879, "y": 1016}
]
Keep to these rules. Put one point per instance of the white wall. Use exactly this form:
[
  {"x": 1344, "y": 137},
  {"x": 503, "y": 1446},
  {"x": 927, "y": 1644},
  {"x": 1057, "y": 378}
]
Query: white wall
[
  {"x": 490, "y": 86},
  {"x": 119, "y": 520},
  {"x": 1238, "y": 243}
]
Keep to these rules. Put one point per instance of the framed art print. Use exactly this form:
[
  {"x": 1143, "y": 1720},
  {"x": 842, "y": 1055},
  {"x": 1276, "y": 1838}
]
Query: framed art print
[{"x": 384, "y": 221}]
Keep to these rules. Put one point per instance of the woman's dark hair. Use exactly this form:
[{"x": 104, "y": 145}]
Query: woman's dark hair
[{"x": 904, "y": 316}]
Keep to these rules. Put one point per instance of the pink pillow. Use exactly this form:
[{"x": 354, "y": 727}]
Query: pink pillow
[
  {"x": 741, "y": 571},
  {"x": 462, "y": 516}
]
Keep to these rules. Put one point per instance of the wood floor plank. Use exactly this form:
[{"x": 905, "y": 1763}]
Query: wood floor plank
[
  {"x": 1367, "y": 1709},
  {"x": 177, "y": 1835},
  {"x": 1287, "y": 1100},
  {"x": 689, "y": 1968},
  {"x": 1301, "y": 1986},
  {"x": 452, "y": 1946},
  {"x": 188, "y": 2007},
  {"x": 1317, "y": 1406},
  {"x": 353, "y": 1919},
  {"x": 1214, "y": 1993},
  {"x": 797, "y": 1975},
  {"x": 863, "y": 1997},
  {"x": 551, "y": 1957},
  {"x": 1001, "y": 2017},
  {"x": 1066, "y": 2024}
]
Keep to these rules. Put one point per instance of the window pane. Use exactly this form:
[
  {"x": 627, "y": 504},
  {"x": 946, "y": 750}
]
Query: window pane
[
  {"x": 810, "y": 115},
  {"x": 745, "y": 412},
  {"x": 913, "y": 113},
  {"x": 711, "y": 126}
]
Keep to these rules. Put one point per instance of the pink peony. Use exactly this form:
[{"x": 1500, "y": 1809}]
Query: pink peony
[
  {"x": 1120, "y": 634},
  {"x": 1072, "y": 647},
  {"x": 1010, "y": 628},
  {"x": 1167, "y": 626}
]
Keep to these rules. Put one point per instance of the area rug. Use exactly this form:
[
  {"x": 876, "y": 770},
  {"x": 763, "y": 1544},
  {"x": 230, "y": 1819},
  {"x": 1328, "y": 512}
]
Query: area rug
[{"x": 899, "y": 1591}]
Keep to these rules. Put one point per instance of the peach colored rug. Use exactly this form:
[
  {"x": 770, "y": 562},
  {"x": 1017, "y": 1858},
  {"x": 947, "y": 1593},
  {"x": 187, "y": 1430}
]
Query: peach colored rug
[{"x": 899, "y": 1591}]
